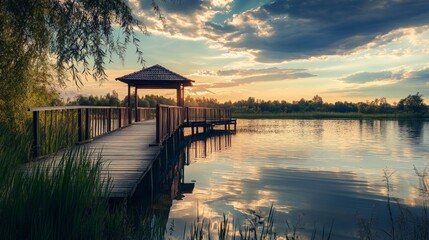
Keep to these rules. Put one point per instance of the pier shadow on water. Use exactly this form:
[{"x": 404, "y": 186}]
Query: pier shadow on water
[{"x": 148, "y": 209}]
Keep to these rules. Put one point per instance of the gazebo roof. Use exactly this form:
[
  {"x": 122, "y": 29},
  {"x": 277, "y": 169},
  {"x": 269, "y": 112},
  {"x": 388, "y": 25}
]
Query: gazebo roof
[{"x": 156, "y": 76}]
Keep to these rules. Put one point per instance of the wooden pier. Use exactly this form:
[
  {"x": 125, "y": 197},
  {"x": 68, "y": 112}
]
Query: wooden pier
[{"x": 128, "y": 150}]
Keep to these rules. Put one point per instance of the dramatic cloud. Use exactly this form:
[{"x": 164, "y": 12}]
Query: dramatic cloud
[
  {"x": 303, "y": 29},
  {"x": 294, "y": 29}
]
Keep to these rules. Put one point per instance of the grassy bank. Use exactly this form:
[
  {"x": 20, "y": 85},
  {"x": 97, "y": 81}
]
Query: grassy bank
[{"x": 329, "y": 115}]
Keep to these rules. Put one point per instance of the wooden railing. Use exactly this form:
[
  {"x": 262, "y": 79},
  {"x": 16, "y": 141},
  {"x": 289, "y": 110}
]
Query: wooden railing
[
  {"x": 202, "y": 114},
  {"x": 144, "y": 114},
  {"x": 168, "y": 120},
  {"x": 57, "y": 127}
]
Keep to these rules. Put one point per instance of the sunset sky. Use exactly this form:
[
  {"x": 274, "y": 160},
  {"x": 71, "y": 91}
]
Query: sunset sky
[{"x": 352, "y": 50}]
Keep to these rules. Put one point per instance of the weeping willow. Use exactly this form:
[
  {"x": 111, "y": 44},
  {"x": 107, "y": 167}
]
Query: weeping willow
[{"x": 45, "y": 43}]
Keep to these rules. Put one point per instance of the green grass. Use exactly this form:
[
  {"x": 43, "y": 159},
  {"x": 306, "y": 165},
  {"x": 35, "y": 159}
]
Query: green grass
[
  {"x": 53, "y": 201},
  {"x": 329, "y": 115},
  {"x": 65, "y": 200}
]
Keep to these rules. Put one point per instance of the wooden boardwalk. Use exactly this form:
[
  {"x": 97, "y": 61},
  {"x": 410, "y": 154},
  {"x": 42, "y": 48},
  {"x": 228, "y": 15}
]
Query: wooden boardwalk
[
  {"x": 128, "y": 150},
  {"x": 127, "y": 155}
]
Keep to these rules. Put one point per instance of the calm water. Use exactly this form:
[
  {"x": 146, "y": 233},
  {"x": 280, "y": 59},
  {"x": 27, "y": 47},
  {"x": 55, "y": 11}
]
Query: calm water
[{"x": 313, "y": 171}]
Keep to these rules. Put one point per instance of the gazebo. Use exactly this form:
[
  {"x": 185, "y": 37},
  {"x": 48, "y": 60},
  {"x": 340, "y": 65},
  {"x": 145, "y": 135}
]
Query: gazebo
[{"x": 155, "y": 77}]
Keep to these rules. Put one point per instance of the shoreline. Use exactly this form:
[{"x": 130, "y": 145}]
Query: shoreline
[{"x": 333, "y": 115}]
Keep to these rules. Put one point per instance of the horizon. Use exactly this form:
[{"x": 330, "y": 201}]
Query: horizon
[{"x": 282, "y": 50}]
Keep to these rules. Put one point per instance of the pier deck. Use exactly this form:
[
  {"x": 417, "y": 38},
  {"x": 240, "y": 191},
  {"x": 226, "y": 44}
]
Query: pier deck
[{"x": 128, "y": 155}]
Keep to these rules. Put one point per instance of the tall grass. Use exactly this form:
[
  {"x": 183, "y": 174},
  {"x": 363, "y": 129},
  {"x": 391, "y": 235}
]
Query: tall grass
[
  {"x": 65, "y": 199},
  {"x": 55, "y": 200}
]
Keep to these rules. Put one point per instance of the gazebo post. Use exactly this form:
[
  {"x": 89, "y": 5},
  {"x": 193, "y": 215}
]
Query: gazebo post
[
  {"x": 180, "y": 96},
  {"x": 136, "y": 105},
  {"x": 129, "y": 104}
]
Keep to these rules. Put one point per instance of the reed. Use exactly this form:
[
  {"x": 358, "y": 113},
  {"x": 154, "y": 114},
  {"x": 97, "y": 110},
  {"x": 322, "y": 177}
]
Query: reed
[
  {"x": 56, "y": 200},
  {"x": 255, "y": 227},
  {"x": 405, "y": 222}
]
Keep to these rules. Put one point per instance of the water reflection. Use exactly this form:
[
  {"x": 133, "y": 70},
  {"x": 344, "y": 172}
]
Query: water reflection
[
  {"x": 313, "y": 171},
  {"x": 413, "y": 129}
]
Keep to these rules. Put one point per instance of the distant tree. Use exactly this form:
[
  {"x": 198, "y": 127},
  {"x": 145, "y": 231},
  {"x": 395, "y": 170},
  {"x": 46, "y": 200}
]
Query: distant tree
[
  {"x": 112, "y": 99},
  {"x": 318, "y": 99},
  {"x": 412, "y": 103}
]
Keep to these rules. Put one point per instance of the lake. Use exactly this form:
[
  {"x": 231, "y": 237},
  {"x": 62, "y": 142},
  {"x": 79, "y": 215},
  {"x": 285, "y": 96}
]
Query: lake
[{"x": 316, "y": 173}]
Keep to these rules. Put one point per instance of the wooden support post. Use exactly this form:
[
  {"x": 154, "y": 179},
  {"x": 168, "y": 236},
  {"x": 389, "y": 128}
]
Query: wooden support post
[
  {"x": 188, "y": 154},
  {"x": 192, "y": 130},
  {"x": 79, "y": 125},
  {"x": 136, "y": 105},
  {"x": 187, "y": 116},
  {"x": 87, "y": 124},
  {"x": 129, "y": 105},
  {"x": 35, "y": 134},
  {"x": 151, "y": 185},
  {"x": 179, "y": 96}
]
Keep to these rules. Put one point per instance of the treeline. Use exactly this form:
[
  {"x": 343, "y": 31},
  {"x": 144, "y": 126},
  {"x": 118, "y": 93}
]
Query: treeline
[{"x": 411, "y": 103}]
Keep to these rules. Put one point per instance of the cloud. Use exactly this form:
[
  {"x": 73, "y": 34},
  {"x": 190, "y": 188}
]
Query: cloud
[
  {"x": 263, "y": 78},
  {"x": 246, "y": 72},
  {"x": 247, "y": 76},
  {"x": 421, "y": 76},
  {"x": 293, "y": 29},
  {"x": 364, "y": 77},
  {"x": 408, "y": 82}
]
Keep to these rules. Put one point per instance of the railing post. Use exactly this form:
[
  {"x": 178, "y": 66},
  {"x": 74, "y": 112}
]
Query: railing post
[
  {"x": 87, "y": 124},
  {"x": 119, "y": 117},
  {"x": 35, "y": 134},
  {"x": 109, "y": 120},
  {"x": 168, "y": 121},
  {"x": 158, "y": 121},
  {"x": 79, "y": 125},
  {"x": 205, "y": 114}
]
